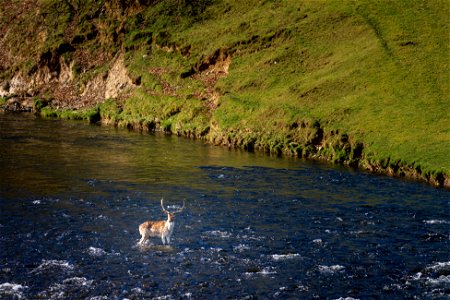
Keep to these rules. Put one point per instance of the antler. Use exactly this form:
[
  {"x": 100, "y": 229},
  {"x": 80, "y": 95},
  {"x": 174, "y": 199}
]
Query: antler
[
  {"x": 175, "y": 212},
  {"x": 182, "y": 208},
  {"x": 162, "y": 205}
]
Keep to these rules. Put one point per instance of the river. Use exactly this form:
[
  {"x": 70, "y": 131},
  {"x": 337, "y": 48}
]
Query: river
[{"x": 72, "y": 197}]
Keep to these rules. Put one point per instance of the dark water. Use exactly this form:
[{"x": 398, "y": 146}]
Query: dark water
[{"x": 72, "y": 197}]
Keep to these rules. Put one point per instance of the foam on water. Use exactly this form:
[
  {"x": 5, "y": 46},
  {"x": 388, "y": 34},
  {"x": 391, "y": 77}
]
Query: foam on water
[
  {"x": 165, "y": 297},
  {"x": 241, "y": 248},
  {"x": 250, "y": 237},
  {"x": 278, "y": 257},
  {"x": 432, "y": 222},
  {"x": 52, "y": 264},
  {"x": 12, "y": 290},
  {"x": 78, "y": 281},
  {"x": 439, "y": 266},
  {"x": 329, "y": 270},
  {"x": 264, "y": 272},
  {"x": 215, "y": 249},
  {"x": 318, "y": 242},
  {"x": 68, "y": 287},
  {"x": 92, "y": 251},
  {"x": 219, "y": 234},
  {"x": 137, "y": 290},
  {"x": 441, "y": 280},
  {"x": 434, "y": 278}
]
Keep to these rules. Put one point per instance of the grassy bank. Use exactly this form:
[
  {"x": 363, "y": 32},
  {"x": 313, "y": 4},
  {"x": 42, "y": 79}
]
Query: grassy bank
[{"x": 363, "y": 83}]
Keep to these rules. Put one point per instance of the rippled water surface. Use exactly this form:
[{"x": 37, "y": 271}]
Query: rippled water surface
[{"x": 72, "y": 197}]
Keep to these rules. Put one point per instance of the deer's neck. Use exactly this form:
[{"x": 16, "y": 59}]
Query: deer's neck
[{"x": 170, "y": 224}]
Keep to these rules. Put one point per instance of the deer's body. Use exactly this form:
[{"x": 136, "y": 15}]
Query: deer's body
[{"x": 163, "y": 229}]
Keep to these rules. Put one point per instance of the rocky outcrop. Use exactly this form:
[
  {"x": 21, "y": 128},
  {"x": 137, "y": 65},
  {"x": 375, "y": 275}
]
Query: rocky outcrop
[
  {"x": 57, "y": 85},
  {"x": 118, "y": 80}
]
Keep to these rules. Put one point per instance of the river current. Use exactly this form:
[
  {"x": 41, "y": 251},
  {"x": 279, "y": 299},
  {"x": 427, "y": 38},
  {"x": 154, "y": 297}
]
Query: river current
[{"x": 72, "y": 197}]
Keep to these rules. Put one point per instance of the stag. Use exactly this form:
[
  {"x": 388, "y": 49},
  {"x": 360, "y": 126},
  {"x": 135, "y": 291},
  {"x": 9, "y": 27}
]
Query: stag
[{"x": 163, "y": 229}]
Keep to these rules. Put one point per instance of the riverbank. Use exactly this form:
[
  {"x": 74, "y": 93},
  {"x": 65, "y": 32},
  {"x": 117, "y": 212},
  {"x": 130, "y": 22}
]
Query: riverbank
[
  {"x": 304, "y": 140},
  {"x": 361, "y": 84}
]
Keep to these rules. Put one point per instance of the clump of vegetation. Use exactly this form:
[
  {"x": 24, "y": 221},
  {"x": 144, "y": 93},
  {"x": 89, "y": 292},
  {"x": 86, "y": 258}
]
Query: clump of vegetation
[{"x": 91, "y": 115}]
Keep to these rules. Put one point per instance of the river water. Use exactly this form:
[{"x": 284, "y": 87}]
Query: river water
[{"x": 72, "y": 197}]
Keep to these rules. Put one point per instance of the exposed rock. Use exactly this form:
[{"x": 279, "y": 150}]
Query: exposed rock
[
  {"x": 118, "y": 79},
  {"x": 94, "y": 89},
  {"x": 18, "y": 85},
  {"x": 59, "y": 83},
  {"x": 113, "y": 85},
  {"x": 4, "y": 89},
  {"x": 66, "y": 74}
]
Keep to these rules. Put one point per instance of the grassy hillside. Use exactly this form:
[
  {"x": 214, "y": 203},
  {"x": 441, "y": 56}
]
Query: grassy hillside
[{"x": 357, "y": 82}]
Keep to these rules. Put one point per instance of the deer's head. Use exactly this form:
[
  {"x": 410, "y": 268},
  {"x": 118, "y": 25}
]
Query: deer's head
[{"x": 171, "y": 214}]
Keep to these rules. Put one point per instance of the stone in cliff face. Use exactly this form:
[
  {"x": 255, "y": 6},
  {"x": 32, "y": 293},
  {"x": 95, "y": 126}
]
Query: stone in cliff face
[
  {"x": 66, "y": 75},
  {"x": 63, "y": 88},
  {"x": 19, "y": 85},
  {"x": 117, "y": 80},
  {"x": 4, "y": 89},
  {"x": 30, "y": 85}
]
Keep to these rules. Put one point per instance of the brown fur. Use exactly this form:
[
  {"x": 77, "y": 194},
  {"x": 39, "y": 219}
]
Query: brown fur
[{"x": 163, "y": 229}]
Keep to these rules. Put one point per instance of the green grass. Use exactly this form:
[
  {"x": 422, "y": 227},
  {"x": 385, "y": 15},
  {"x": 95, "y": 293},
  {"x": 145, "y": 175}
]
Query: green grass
[
  {"x": 306, "y": 77},
  {"x": 91, "y": 114},
  {"x": 375, "y": 70}
]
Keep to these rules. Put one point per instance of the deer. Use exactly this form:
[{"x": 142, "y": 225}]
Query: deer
[{"x": 163, "y": 229}]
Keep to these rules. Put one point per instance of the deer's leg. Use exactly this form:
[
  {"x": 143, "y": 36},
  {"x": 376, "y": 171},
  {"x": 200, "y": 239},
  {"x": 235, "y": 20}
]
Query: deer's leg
[
  {"x": 168, "y": 239},
  {"x": 163, "y": 238},
  {"x": 144, "y": 237}
]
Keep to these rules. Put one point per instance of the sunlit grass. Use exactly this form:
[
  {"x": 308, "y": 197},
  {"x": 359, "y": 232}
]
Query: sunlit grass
[{"x": 375, "y": 71}]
